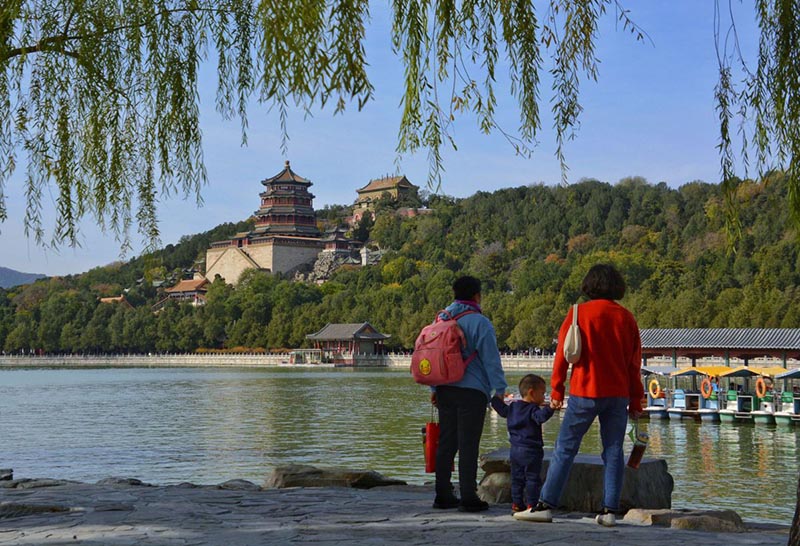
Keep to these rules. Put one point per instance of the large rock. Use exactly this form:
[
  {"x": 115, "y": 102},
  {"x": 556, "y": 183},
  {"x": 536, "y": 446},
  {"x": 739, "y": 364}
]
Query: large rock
[
  {"x": 239, "y": 485},
  {"x": 725, "y": 521},
  {"x": 706, "y": 523},
  {"x": 311, "y": 476},
  {"x": 649, "y": 486},
  {"x": 495, "y": 488},
  {"x": 40, "y": 483},
  {"x": 114, "y": 480}
]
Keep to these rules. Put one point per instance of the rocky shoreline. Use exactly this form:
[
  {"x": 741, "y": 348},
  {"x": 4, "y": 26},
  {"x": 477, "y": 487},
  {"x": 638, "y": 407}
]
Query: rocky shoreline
[{"x": 345, "y": 507}]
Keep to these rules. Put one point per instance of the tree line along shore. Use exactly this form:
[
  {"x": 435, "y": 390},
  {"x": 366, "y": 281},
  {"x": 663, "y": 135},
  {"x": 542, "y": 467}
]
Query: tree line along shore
[{"x": 530, "y": 246}]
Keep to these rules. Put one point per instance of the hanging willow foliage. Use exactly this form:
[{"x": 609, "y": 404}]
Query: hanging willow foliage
[
  {"x": 763, "y": 97},
  {"x": 99, "y": 98}
]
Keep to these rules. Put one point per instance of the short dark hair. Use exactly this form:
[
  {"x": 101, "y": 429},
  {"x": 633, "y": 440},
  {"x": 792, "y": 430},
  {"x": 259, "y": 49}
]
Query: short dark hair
[
  {"x": 603, "y": 282},
  {"x": 530, "y": 381},
  {"x": 466, "y": 288}
]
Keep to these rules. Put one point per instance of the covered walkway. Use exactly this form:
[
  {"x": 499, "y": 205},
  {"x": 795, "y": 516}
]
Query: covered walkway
[{"x": 743, "y": 343}]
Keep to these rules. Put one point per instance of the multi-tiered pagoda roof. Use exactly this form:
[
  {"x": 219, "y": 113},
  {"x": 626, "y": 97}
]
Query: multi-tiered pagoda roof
[{"x": 286, "y": 207}]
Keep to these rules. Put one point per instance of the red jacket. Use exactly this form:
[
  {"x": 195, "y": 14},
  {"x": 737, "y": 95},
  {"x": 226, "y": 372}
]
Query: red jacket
[{"x": 611, "y": 355}]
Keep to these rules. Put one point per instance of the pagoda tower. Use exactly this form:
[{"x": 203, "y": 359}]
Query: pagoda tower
[
  {"x": 285, "y": 237},
  {"x": 286, "y": 207}
]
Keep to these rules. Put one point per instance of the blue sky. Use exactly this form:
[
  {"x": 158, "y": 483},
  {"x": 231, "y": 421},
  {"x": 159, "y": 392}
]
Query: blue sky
[{"x": 650, "y": 114}]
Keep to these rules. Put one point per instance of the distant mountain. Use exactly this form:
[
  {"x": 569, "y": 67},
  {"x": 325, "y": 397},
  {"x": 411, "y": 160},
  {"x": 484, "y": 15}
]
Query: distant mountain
[{"x": 9, "y": 277}]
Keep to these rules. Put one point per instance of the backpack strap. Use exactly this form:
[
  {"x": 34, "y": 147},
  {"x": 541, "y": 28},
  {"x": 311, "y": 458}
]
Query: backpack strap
[
  {"x": 450, "y": 316},
  {"x": 467, "y": 312},
  {"x": 474, "y": 354}
]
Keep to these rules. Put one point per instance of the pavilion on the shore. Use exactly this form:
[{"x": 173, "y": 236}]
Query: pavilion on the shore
[{"x": 339, "y": 343}]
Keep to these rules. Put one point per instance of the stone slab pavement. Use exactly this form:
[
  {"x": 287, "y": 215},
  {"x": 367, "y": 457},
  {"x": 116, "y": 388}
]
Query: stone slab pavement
[{"x": 121, "y": 515}]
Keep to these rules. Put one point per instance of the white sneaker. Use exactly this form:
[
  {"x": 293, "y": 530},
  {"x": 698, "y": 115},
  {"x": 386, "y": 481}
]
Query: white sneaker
[
  {"x": 537, "y": 513},
  {"x": 606, "y": 520}
]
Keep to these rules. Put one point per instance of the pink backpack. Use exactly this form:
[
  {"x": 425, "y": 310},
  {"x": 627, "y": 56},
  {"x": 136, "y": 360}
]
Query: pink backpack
[{"x": 437, "y": 356}]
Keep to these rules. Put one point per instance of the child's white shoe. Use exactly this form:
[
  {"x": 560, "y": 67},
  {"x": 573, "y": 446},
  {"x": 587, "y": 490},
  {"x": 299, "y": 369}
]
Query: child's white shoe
[{"x": 540, "y": 513}]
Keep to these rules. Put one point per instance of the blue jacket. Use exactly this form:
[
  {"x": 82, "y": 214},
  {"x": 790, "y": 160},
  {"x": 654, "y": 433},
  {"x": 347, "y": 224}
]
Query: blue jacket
[
  {"x": 524, "y": 421},
  {"x": 484, "y": 373}
]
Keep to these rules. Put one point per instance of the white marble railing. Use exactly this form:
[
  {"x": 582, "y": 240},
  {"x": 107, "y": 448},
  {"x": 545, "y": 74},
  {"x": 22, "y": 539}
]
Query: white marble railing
[
  {"x": 393, "y": 360},
  {"x": 259, "y": 360},
  {"x": 189, "y": 360}
]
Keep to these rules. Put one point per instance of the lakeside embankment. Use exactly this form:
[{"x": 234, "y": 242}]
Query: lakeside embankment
[
  {"x": 238, "y": 512},
  {"x": 261, "y": 360},
  {"x": 218, "y": 360}
]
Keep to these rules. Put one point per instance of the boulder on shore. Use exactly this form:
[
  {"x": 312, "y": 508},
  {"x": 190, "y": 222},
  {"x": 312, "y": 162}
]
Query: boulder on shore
[
  {"x": 297, "y": 475},
  {"x": 239, "y": 485},
  {"x": 649, "y": 486},
  {"x": 725, "y": 521}
]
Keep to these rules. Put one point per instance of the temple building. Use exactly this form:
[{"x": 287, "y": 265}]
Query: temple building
[
  {"x": 395, "y": 186},
  {"x": 336, "y": 242},
  {"x": 285, "y": 236},
  {"x": 346, "y": 344},
  {"x": 189, "y": 290}
]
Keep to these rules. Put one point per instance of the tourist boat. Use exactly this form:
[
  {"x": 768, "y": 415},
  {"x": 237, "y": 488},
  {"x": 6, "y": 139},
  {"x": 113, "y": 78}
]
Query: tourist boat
[
  {"x": 789, "y": 400},
  {"x": 696, "y": 402},
  {"x": 655, "y": 389},
  {"x": 741, "y": 404}
]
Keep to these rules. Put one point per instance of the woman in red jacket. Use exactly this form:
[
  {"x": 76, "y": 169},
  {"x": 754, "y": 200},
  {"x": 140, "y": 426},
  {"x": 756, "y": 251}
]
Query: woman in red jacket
[{"x": 605, "y": 383}]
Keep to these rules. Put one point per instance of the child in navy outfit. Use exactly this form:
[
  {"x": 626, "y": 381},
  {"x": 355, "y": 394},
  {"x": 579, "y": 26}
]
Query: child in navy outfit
[{"x": 524, "y": 420}]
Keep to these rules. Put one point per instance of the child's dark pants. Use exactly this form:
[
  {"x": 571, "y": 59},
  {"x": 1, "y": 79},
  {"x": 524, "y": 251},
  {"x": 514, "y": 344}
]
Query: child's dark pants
[{"x": 526, "y": 474}]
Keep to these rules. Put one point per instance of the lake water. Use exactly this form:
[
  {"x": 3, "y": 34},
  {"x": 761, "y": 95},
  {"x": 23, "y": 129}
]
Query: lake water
[{"x": 211, "y": 425}]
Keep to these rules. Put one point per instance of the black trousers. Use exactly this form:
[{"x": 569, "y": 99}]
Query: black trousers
[{"x": 461, "y": 415}]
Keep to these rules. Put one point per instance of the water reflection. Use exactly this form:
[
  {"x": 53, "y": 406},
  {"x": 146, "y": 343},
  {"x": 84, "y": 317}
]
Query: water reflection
[
  {"x": 751, "y": 469},
  {"x": 207, "y": 426}
]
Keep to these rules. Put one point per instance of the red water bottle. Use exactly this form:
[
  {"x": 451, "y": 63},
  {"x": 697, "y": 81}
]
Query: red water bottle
[{"x": 640, "y": 440}]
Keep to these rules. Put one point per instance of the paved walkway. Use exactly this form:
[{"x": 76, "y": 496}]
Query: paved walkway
[{"x": 117, "y": 515}]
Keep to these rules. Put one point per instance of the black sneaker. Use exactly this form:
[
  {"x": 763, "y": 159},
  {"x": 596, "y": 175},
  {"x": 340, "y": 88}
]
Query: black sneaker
[
  {"x": 445, "y": 503},
  {"x": 476, "y": 505}
]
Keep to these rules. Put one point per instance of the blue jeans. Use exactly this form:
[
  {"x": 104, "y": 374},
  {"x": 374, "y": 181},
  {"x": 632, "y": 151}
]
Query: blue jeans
[{"x": 580, "y": 414}]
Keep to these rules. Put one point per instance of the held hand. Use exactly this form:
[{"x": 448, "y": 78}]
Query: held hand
[
  {"x": 634, "y": 413},
  {"x": 433, "y": 398},
  {"x": 556, "y": 404}
]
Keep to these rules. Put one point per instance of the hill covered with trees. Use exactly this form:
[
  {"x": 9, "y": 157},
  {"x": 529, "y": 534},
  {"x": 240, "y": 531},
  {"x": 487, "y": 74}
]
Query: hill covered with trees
[{"x": 530, "y": 245}]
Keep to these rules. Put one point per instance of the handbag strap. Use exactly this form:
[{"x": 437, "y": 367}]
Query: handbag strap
[{"x": 575, "y": 314}]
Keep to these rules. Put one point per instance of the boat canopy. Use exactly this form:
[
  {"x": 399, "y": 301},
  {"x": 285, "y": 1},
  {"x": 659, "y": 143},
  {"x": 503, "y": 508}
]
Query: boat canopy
[
  {"x": 791, "y": 374},
  {"x": 752, "y": 371},
  {"x": 701, "y": 370},
  {"x": 657, "y": 370}
]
